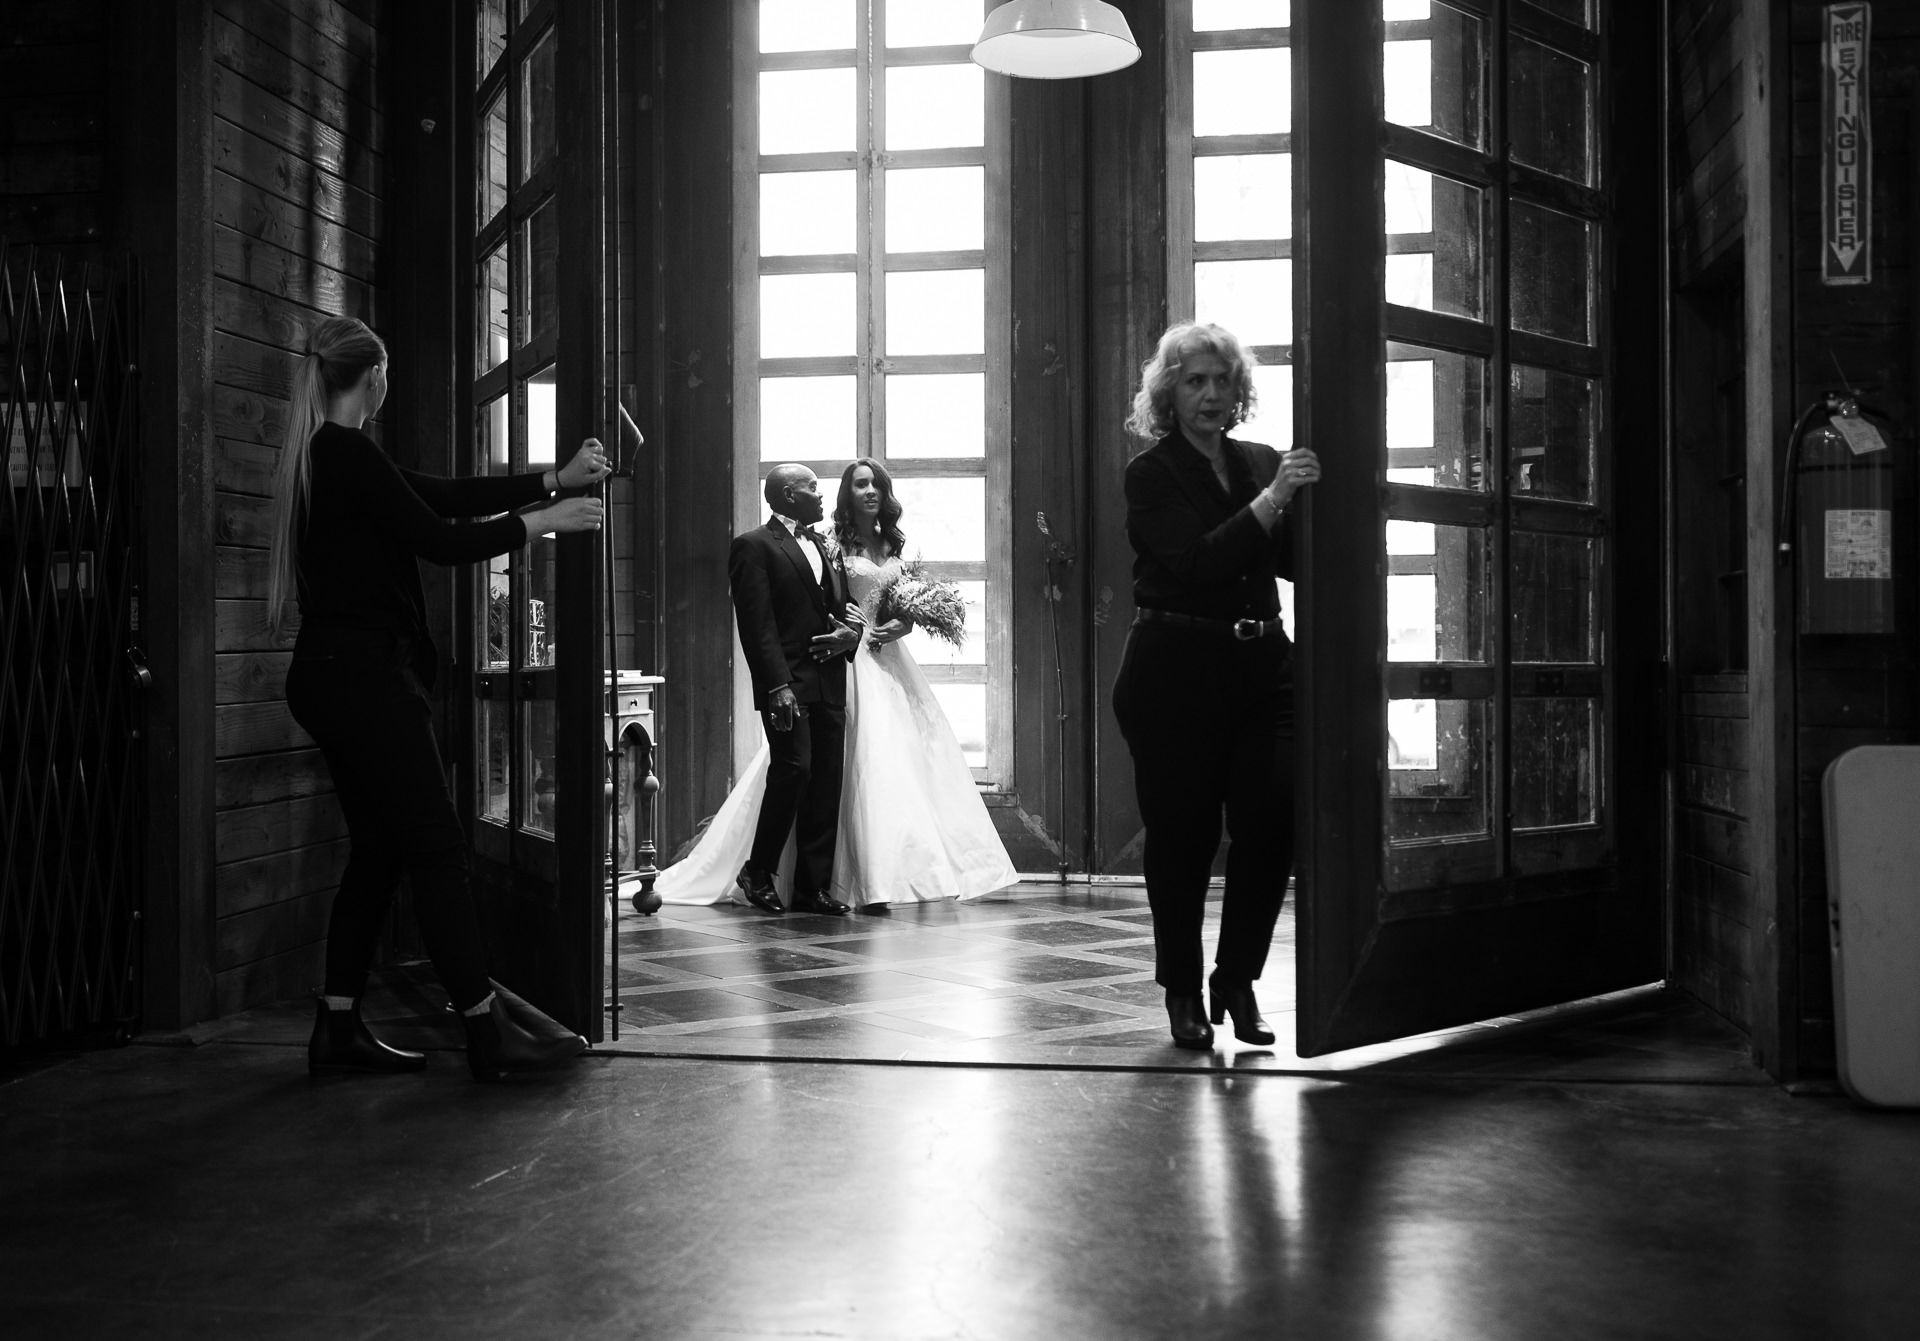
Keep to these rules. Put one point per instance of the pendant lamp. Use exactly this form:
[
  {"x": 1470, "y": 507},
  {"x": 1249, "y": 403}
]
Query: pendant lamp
[{"x": 1056, "y": 39}]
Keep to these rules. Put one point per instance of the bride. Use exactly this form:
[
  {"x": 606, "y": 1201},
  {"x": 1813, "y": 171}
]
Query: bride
[{"x": 912, "y": 825}]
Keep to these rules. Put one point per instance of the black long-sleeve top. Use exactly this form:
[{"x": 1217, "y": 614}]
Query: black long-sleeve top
[
  {"x": 368, "y": 522},
  {"x": 1200, "y": 550}
]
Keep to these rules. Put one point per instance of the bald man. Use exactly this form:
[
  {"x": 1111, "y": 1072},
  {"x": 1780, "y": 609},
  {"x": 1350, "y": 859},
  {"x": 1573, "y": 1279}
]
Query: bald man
[{"x": 797, "y": 630}]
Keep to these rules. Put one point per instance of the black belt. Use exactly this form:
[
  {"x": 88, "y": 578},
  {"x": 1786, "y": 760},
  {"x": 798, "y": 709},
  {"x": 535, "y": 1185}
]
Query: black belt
[{"x": 1246, "y": 630}]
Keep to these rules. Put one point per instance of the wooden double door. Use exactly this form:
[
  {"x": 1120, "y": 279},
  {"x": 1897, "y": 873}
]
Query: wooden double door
[{"x": 1481, "y": 630}]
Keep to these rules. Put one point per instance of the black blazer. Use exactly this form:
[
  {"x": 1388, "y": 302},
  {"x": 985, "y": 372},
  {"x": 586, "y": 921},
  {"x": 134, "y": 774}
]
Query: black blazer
[
  {"x": 1199, "y": 550},
  {"x": 780, "y": 609}
]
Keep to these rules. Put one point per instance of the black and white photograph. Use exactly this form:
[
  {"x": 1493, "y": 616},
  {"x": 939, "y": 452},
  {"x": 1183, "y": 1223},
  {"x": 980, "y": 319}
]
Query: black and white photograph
[{"x": 918, "y": 670}]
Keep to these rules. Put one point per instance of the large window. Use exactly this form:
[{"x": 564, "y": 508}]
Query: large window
[
  {"x": 871, "y": 304},
  {"x": 1230, "y": 187},
  {"x": 1230, "y": 192},
  {"x": 510, "y": 371}
]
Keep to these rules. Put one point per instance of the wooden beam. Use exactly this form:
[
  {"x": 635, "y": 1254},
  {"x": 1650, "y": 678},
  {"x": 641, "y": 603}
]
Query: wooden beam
[
  {"x": 422, "y": 272},
  {"x": 1127, "y": 310},
  {"x": 1048, "y": 464},
  {"x": 1639, "y": 642},
  {"x": 694, "y": 72},
  {"x": 162, "y": 58},
  {"x": 1764, "y": 124}
]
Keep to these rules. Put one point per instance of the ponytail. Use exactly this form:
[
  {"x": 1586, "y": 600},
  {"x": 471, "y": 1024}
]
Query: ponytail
[{"x": 339, "y": 350}]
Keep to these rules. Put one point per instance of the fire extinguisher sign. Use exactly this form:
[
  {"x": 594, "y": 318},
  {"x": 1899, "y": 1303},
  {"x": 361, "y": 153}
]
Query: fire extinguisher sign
[{"x": 1846, "y": 158}]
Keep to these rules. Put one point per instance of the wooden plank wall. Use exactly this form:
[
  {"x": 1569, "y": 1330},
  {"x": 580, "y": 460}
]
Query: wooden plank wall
[
  {"x": 1713, "y": 912},
  {"x": 1854, "y": 690},
  {"x": 299, "y": 140},
  {"x": 1713, "y": 881},
  {"x": 1710, "y": 184},
  {"x": 53, "y": 125}
]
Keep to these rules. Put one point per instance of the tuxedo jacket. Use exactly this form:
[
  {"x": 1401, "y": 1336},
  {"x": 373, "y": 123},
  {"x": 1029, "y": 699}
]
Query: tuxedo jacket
[{"x": 780, "y": 609}]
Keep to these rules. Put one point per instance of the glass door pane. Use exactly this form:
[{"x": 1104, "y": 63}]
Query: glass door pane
[
  {"x": 538, "y": 767},
  {"x": 1435, "y": 64},
  {"x": 539, "y": 128}
]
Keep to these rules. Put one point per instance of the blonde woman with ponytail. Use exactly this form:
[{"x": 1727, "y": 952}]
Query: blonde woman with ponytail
[{"x": 350, "y": 527}]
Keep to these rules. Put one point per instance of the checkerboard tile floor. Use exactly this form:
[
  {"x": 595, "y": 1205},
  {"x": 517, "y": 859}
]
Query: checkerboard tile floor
[
  {"x": 1040, "y": 975},
  {"x": 1037, "y": 969}
]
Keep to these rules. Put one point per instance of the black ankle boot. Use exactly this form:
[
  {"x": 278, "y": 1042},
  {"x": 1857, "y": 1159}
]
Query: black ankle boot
[
  {"x": 342, "y": 1042},
  {"x": 1187, "y": 1017},
  {"x": 514, "y": 1036},
  {"x": 1238, "y": 998}
]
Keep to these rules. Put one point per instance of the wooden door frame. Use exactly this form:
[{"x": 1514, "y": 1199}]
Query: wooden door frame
[
  {"x": 562, "y": 893},
  {"x": 583, "y": 411},
  {"x": 1339, "y": 671},
  {"x": 162, "y": 127}
]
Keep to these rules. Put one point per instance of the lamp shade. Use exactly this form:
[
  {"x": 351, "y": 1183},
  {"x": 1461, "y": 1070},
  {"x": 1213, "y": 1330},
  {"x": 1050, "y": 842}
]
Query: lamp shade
[{"x": 1056, "y": 39}]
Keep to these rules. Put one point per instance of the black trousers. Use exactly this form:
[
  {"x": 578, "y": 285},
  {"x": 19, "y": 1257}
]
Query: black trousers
[
  {"x": 1209, "y": 722},
  {"x": 803, "y": 795},
  {"x": 370, "y": 715}
]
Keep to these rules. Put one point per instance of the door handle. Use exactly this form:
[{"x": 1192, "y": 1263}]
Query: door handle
[{"x": 142, "y": 681}]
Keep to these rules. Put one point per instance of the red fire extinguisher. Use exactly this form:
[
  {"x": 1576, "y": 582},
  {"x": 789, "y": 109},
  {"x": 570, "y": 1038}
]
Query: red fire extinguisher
[{"x": 1839, "y": 472}]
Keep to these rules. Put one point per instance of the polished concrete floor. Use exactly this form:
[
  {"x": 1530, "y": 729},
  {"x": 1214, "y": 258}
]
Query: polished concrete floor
[{"x": 1607, "y": 1172}]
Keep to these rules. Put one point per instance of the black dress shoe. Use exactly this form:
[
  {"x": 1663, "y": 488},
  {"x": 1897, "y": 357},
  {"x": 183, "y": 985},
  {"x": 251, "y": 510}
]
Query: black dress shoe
[
  {"x": 1187, "y": 1016},
  {"x": 342, "y": 1042},
  {"x": 813, "y": 901},
  {"x": 516, "y": 1036},
  {"x": 759, "y": 891},
  {"x": 1238, "y": 998}
]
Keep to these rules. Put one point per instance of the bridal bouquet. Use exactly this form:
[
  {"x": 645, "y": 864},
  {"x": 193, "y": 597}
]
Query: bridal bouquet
[{"x": 931, "y": 604}]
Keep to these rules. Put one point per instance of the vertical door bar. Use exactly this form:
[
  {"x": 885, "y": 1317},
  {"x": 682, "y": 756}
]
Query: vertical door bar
[
  {"x": 1339, "y": 391},
  {"x": 579, "y": 753}
]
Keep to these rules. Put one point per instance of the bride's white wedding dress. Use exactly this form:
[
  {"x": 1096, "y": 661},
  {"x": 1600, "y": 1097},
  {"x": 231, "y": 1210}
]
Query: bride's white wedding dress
[{"x": 912, "y": 826}]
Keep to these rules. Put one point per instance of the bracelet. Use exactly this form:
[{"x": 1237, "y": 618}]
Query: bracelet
[{"x": 553, "y": 488}]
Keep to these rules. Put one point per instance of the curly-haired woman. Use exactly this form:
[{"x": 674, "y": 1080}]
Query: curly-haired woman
[{"x": 1204, "y": 696}]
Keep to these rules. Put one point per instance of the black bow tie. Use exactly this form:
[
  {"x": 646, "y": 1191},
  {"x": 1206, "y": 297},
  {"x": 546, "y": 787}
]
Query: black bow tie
[{"x": 811, "y": 534}]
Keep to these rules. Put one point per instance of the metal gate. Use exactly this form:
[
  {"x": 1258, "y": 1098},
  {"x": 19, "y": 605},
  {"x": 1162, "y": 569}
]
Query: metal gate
[{"x": 72, "y": 829}]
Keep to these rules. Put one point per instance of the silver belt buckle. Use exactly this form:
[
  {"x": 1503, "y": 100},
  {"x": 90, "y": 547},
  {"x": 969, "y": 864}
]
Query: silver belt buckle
[{"x": 1246, "y": 630}]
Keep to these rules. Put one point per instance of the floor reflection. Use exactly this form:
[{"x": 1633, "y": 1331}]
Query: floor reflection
[{"x": 676, "y": 1198}]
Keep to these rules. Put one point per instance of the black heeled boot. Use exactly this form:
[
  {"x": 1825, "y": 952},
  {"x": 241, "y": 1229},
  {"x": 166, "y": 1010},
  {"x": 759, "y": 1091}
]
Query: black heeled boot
[
  {"x": 1238, "y": 999},
  {"x": 1187, "y": 1017},
  {"x": 342, "y": 1042},
  {"x": 514, "y": 1036}
]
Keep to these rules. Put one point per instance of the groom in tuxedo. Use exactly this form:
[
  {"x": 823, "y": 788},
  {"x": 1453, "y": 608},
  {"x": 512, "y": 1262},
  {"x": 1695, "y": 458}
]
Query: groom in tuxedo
[{"x": 789, "y": 599}]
